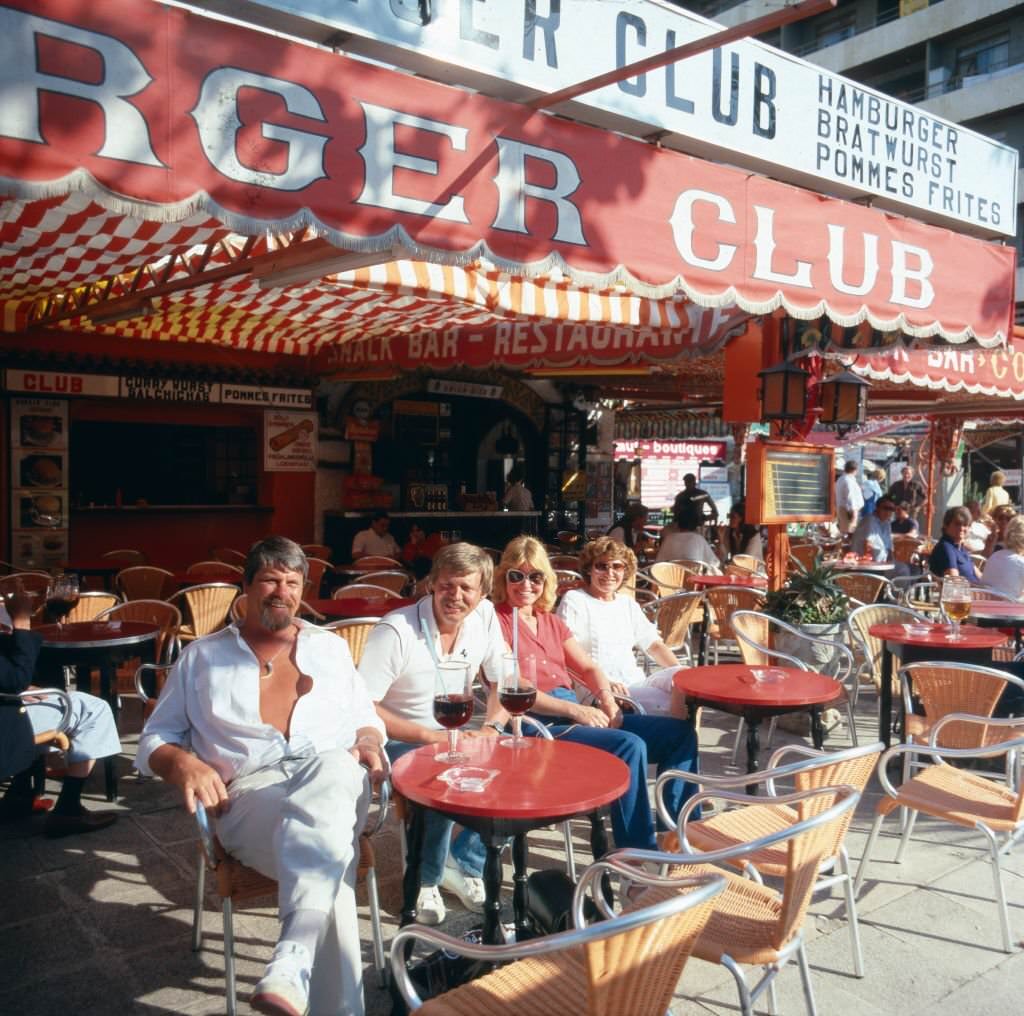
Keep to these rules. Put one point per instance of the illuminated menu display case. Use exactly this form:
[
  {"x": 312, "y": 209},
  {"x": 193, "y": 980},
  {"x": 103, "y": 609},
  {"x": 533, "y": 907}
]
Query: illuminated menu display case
[{"x": 789, "y": 482}]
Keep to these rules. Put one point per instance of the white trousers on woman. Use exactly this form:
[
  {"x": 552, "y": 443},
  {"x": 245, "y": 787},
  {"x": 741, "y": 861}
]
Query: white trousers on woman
[{"x": 298, "y": 821}]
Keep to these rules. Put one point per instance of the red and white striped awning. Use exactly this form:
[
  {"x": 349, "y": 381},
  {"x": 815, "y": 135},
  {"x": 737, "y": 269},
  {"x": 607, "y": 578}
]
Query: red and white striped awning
[{"x": 157, "y": 165}]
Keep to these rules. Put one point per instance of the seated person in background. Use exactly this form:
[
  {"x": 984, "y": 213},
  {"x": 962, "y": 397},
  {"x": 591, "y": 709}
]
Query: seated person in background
[
  {"x": 903, "y": 524},
  {"x": 629, "y": 528},
  {"x": 736, "y": 537},
  {"x": 420, "y": 544},
  {"x": 1005, "y": 568},
  {"x": 375, "y": 541},
  {"x": 517, "y": 496},
  {"x": 398, "y": 666},
  {"x": 685, "y": 541},
  {"x": 1001, "y": 518},
  {"x": 873, "y": 535},
  {"x": 979, "y": 531},
  {"x": 608, "y": 625},
  {"x": 949, "y": 556},
  {"x": 92, "y": 732},
  {"x": 278, "y": 722},
  {"x": 669, "y": 742}
]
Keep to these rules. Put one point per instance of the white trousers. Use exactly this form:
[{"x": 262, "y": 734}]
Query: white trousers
[{"x": 299, "y": 822}]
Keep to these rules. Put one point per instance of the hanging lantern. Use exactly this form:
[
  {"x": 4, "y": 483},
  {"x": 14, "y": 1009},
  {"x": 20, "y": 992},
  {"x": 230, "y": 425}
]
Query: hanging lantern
[
  {"x": 844, "y": 401},
  {"x": 783, "y": 392}
]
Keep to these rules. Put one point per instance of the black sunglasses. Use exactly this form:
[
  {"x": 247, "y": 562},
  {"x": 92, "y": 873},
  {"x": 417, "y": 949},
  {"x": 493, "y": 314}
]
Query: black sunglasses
[{"x": 515, "y": 576}]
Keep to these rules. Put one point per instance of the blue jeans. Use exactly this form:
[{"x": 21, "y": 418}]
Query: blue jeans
[
  {"x": 664, "y": 740},
  {"x": 467, "y": 849}
]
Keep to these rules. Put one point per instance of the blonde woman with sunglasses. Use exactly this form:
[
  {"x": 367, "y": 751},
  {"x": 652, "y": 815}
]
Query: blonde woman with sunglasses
[
  {"x": 524, "y": 580},
  {"x": 609, "y": 627}
]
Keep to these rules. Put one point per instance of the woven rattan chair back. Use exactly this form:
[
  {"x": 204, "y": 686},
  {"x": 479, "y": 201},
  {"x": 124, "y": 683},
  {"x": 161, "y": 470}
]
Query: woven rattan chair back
[
  {"x": 206, "y": 608},
  {"x": 860, "y": 586},
  {"x": 144, "y": 582},
  {"x": 229, "y": 556},
  {"x": 805, "y": 553},
  {"x": 320, "y": 550},
  {"x": 669, "y": 577},
  {"x": 748, "y": 563},
  {"x": 673, "y": 615},
  {"x": 31, "y": 582},
  {"x": 378, "y": 561},
  {"x": 904, "y": 548},
  {"x": 568, "y": 579},
  {"x": 863, "y": 618},
  {"x": 364, "y": 591},
  {"x": 570, "y": 561},
  {"x": 215, "y": 571},
  {"x": 722, "y": 601},
  {"x": 159, "y": 612},
  {"x": 756, "y": 628},
  {"x": 316, "y": 567},
  {"x": 355, "y": 631},
  {"x": 394, "y": 580},
  {"x": 92, "y": 603},
  {"x": 944, "y": 688},
  {"x": 125, "y": 557}
]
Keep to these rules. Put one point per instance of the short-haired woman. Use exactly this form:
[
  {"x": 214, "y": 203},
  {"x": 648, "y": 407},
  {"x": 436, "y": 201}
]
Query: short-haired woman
[
  {"x": 1004, "y": 570},
  {"x": 609, "y": 626},
  {"x": 525, "y": 580},
  {"x": 949, "y": 556}
]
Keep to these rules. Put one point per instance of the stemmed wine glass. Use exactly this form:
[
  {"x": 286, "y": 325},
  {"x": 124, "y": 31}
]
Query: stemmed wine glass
[
  {"x": 61, "y": 597},
  {"x": 955, "y": 600},
  {"x": 453, "y": 704},
  {"x": 517, "y": 696}
]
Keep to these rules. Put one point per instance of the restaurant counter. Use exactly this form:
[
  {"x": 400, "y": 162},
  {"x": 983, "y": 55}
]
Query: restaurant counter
[{"x": 488, "y": 529}]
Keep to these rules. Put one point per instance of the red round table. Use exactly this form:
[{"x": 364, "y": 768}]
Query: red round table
[
  {"x": 871, "y": 567},
  {"x": 926, "y": 642},
  {"x": 999, "y": 614},
  {"x": 545, "y": 784},
  {"x": 99, "y": 644},
  {"x": 733, "y": 688},
  {"x": 360, "y": 606}
]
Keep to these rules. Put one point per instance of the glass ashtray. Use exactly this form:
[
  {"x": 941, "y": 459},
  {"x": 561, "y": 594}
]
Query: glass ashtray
[
  {"x": 469, "y": 779},
  {"x": 917, "y": 629},
  {"x": 767, "y": 675}
]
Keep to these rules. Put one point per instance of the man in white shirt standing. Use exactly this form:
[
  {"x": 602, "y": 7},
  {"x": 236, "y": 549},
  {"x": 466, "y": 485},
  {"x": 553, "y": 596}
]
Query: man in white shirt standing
[
  {"x": 375, "y": 541},
  {"x": 849, "y": 499},
  {"x": 279, "y": 722}
]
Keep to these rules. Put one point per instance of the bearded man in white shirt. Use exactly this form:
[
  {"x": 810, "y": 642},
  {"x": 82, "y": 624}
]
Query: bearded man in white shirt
[{"x": 280, "y": 727}]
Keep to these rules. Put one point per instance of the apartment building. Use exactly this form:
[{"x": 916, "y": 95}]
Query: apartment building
[{"x": 962, "y": 60}]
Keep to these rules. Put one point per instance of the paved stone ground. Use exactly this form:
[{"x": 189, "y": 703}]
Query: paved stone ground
[{"x": 99, "y": 925}]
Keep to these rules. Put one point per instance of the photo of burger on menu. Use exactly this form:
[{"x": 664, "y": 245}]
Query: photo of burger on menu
[
  {"x": 41, "y": 431},
  {"x": 42, "y": 511},
  {"x": 42, "y": 471}
]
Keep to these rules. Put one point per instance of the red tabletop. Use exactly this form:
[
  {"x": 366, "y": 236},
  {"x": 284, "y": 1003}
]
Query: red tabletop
[
  {"x": 1000, "y": 610},
  {"x": 734, "y": 684},
  {"x": 971, "y": 636},
  {"x": 360, "y": 606},
  {"x": 743, "y": 581},
  {"x": 86, "y": 634},
  {"x": 549, "y": 779},
  {"x": 862, "y": 566}
]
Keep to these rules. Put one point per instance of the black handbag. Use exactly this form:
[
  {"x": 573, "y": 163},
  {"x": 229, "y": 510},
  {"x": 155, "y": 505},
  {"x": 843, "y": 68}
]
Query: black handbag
[
  {"x": 440, "y": 971},
  {"x": 549, "y": 902}
]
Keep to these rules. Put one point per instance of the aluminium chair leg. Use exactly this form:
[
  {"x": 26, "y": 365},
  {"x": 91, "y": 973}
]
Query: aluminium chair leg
[
  {"x": 908, "y": 829},
  {"x": 851, "y": 912},
  {"x": 851, "y": 724},
  {"x": 739, "y": 740},
  {"x": 373, "y": 895},
  {"x": 805, "y": 978},
  {"x": 570, "y": 856},
  {"x": 997, "y": 878},
  {"x": 197, "y": 905},
  {"x": 229, "y": 957},
  {"x": 742, "y": 988},
  {"x": 868, "y": 847}
]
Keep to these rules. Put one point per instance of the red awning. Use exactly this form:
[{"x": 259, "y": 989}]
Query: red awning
[{"x": 133, "y": 131}]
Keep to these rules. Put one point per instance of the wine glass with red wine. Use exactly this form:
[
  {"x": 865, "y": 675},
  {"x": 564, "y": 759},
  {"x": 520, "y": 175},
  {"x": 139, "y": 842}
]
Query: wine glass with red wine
[
  {"x": 61, "y": 597},
  {"x": 517, "y": 696},
  {"x": 453, "y": 704}
]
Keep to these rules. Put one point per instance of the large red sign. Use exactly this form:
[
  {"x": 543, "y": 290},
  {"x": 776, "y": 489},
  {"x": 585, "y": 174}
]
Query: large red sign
[{"x": 157, "y": 112}]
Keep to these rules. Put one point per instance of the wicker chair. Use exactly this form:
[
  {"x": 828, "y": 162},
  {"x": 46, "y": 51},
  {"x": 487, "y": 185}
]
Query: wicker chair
[
  {"x": 905, "y": 549},
  {"x": 805, "y": 554},
  {"x": 316, "y": 566},
  {"x": 674, "y": 615},
  {"x": 355, "y": 631},
  {"x": 241, "y": 603},
  {"x": 626, "y": 964},
  {"x": 396, "y": 581},
  {"x": 236, "y": 883},
  {"x": 205, "y": 607},
  {"x": 863, "y": 587},
  {"x": 215, "y": 571},
  {"x": 364, "y": 591},
  {"x": 229, "y": 556},
  {"x": 92, "y": 603},
  {"x": 964, "y": 798},
  {"x": 31, "y": 581},
  {"x": 568, "y": 561},
  {"x": 730, "y": 827},
  {"x": 125, "y": 557},
  {"x": 922, "y": 596},
  {"x": 752, "y": 924},
  {"x": 144, "y": 582},
  {"x": 749, "y": 563},
  {"x": 158, "y": 612},
  {"x": 721, "y": 602},
  {"x": 568, "y": 579},
  {"x": 320, "y": 550},
  {"x": 871, "y": 648},
  {"x": 695, "y": 566},
  {"x": 376, "y": 561},
  {"x": 668, "y": 577}
]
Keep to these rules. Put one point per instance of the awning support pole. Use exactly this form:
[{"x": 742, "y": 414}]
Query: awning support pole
[{"x": 765, "y": 23}]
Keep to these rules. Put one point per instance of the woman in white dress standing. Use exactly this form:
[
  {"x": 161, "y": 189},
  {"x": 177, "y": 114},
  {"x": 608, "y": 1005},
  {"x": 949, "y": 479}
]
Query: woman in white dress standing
[{"x": 609, "y": 625}]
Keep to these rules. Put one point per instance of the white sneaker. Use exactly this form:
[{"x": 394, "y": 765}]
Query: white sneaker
[
  {"x": 430, "y": 906},
  {"x": 469, "y": 890},
  {"x": 284, "y": 988}
]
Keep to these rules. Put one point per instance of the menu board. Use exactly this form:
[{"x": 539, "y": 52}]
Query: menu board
[
  {"x": 39, "y": 482},
  {"x": 789, "y": 482}
]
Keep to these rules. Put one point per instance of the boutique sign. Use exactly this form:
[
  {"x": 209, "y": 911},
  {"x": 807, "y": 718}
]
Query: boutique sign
[{"x": 748, "y": 103}]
